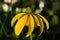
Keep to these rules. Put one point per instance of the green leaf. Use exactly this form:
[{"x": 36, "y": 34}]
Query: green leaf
[{"x": 54, "y": 20}]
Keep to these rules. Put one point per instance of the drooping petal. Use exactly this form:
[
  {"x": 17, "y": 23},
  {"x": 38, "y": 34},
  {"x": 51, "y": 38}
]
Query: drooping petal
[
  {"x": 20, "y": 25},
  {"x": 31, "y": 26},
  {"x": 41, "y": 26},
  {"x": 16, "y": 18},
  {"x": 45, "y": 20},
  {"x": 27, "y": 24},
  {"x": 37, "y": 21}
]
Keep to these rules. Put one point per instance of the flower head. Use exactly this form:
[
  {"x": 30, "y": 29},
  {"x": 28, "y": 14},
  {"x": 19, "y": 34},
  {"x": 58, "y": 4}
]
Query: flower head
[
  {"x": 25, "y": 19},
  {"x": 14, "y": 1},
  {"x": 10, "y": 1},
  {"x": 7, "y": 1}
]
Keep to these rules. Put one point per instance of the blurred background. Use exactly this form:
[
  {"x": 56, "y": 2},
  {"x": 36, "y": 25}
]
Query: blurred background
[{"x": 51, "y": 11}]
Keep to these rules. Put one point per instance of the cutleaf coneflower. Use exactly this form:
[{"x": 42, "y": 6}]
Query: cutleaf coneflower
[{"x": 27, "y": 19}]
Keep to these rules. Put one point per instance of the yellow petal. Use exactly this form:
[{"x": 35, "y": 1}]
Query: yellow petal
[
  {"x": 41, "y": 26},
  {"x": 16, "y": 18},
  {"x": 45, "y": 20},
  {"x": 20, "y": 25},
  {"x": 27, "y": 24},
  {"x": 31, "y": 26},
  {"x": 37, "y": 21}
]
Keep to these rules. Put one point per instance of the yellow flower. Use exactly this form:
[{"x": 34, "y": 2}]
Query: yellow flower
[{"x": 24, "y": 19}]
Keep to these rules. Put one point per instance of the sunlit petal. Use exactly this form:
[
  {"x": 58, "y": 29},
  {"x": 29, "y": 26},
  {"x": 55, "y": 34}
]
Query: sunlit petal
[
  {"x": 31, "y": 26},
  {"x": 16, "y": 18},
  {"x": 20, "y": 25}
]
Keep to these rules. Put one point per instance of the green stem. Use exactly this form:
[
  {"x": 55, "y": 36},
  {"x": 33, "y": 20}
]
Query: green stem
[
  {"x": 31, "y": 37},
  {"x": 3, "y": 25},
  {"x": 37, "y": 38},
  {"x": 11, "y": 10},
  {"x": 16, "y": 38},
  {"x": 33, "y": 4}
]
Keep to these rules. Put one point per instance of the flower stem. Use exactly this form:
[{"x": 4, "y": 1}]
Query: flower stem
[
  {"x": 11, "y": 10},
  {"x": 37, "y": 38},
  {"x": 33, "y": 4},
  {"x": 31, "y": 37},
  {"x": 2, "y": 25}
]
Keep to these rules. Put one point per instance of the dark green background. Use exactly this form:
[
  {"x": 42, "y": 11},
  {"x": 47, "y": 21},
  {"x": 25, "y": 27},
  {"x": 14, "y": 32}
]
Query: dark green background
[{"x": 51, "y": 12}]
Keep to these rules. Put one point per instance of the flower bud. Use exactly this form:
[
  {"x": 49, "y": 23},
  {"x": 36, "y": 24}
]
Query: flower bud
[
  {"x": 41, "y": 4},
  {"x": 7, "y": 1},
  {"x": 37, "y": 11},
  {"x": 18, "y": 10},
  {"x": 14, "y": 1},
  {"x": 24, "y": 10},
  {"x": 5, "y": 7}
]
